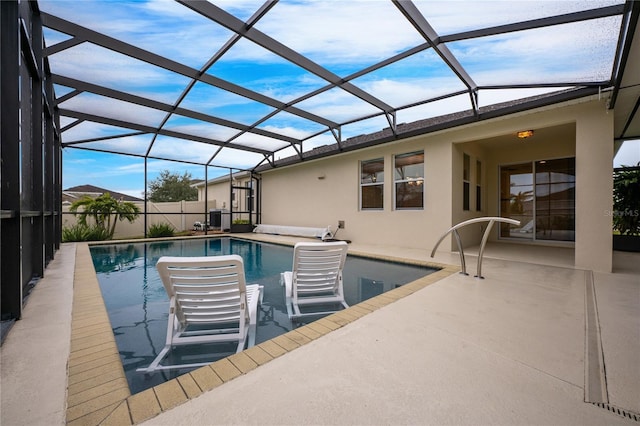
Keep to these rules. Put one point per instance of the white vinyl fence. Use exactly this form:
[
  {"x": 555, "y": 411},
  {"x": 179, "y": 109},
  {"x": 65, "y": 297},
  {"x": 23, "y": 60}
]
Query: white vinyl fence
[{"x": 179, "y": 214}]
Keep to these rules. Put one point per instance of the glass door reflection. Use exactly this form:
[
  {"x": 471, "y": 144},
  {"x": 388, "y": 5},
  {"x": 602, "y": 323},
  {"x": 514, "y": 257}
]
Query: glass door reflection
[
  {"x": 517, "y": 200},
  {"x": 555, "y": 199}
]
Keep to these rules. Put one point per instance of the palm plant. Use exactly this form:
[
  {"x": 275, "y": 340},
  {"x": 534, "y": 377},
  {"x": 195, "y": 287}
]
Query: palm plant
[{"x": 106, "y": 211}]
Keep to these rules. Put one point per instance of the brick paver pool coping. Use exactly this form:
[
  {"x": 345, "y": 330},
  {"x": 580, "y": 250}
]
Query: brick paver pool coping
[{"x": 98, "y": 392}]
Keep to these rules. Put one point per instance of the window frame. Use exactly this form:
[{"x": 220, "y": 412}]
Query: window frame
[
  {"x": 375, "y": 183},
  {"x": 466, "y": 182},
  {"x": 478, "y": 185},
  {"x": 419, "y": 180}
]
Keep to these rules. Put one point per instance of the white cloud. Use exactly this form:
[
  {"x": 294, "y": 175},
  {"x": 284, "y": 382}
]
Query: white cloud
[
  {"x": 259, "y": 141},
  {"x": 580, "y": 51},
  {"x": 65, "y": 121},
  {"x": 628, "y": 154},
  {"x": 163, "y": 27},
  {"x": 345, "y": 36},
  {"x": 434, "y": 109},
  {"x": 179, "y": 149},
  {"x": 405, "y": 91},
  {"x": 91, "y": 130},
  {"x": 288, "y": 131},
  {"x": 104, "y": 67},
  {"x": 317, "y": 141},
  {"x": 207, "y": 98},
  {"x": 113, "y": 108},
  {"x": 237, "y": 159},
  {"x": 167, "y": 8},
  {"x": 334, "y": 32},
  {"x": 490, "y": 97},
  {"x": 199, "y": 128},
  {"x": 448, "y": 17},
  {"x": 337, "y": 105},
  {"x": 128, "y": 145}
]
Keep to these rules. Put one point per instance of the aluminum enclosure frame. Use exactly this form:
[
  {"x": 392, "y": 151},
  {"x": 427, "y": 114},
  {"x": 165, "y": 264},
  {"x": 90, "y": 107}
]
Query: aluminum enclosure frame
[
  {"x": 31, "y": 221},
  {"x": 33, "y": 138},
  {"x": 247, "y": 30}
]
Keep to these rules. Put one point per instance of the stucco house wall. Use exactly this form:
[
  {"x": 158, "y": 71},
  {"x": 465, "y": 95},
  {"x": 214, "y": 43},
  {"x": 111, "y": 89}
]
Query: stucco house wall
[
  {"x": 218, "y": 192},
  {"x": 322, "y": 192}
]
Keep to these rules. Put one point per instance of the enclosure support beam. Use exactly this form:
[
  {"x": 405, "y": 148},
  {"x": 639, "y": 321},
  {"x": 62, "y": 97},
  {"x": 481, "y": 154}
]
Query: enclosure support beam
[{"x": 10, "y": 232}]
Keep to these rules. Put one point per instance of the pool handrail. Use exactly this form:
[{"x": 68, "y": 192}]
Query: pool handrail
[{"x": 485, "y": 237}]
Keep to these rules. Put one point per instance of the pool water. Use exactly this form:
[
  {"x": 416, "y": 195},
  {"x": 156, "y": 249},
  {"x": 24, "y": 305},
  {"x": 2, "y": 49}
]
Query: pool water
[{"x": 138, "y": 305}]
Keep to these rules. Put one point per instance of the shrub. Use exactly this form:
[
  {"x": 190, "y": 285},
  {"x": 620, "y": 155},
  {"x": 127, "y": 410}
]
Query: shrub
[
  {"x": 158, "y": 230},
  {"x": 83, "y": 232},
  {"x": 626, "y": 200}
]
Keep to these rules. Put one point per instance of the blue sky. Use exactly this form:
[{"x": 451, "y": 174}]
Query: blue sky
[
  {"x": 628, "y": 155},
  {"x": 342, "y": 39}
]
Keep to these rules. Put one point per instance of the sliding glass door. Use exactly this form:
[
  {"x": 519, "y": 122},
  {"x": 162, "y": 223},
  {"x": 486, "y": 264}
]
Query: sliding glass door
[{"x": 541, "y": 195}]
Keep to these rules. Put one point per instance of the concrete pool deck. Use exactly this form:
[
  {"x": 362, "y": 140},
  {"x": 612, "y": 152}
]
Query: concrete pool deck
[{"x": 509, "y": 349}]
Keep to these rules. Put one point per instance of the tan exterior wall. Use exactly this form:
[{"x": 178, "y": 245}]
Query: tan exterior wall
[
  {"x": 470, "y": 235},
  {"x": 298, "y": 196},
  {"x": 594, "y": 149},
  {"x": 218, "y": 196}
]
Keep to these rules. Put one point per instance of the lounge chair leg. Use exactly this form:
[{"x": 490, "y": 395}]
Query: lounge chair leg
[
  {"x": 289, "y": 310},
  {"x": 251, "y": 335},
  {"x": 156, "y": 362}
]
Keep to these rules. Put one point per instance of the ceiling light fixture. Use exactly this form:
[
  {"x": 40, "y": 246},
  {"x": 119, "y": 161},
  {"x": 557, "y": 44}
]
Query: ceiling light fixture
[{"x": 525, "y": 134}]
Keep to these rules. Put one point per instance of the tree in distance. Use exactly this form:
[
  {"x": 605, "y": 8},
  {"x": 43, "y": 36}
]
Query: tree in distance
[{"x": 172, "y": 187}]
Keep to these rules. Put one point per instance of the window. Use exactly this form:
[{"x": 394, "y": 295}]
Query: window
[
  {"x": 466, "y": 173},
  {"x": 409, "y": 180},
  {"x": 249, "y": 196},
  {"x": 478, "y": 185},
  {"x": 372, "y": 184}
]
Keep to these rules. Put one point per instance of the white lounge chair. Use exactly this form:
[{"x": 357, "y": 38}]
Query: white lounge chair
[
  {"x": 316, "y": 278},
  {"x": 209, "y": 302}
]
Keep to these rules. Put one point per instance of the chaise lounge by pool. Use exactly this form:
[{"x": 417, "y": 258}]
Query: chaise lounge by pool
[{"x": 137, "y": 303}]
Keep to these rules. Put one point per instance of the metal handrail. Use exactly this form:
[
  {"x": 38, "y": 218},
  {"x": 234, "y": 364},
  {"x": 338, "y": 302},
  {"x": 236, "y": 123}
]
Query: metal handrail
[{"x": 485, "y": 237}]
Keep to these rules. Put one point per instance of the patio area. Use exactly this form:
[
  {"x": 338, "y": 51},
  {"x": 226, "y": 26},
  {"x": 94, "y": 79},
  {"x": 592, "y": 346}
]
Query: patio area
[{"x": 514, "y": 348}]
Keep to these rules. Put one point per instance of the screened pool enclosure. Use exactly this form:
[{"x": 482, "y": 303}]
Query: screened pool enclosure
[{"x": 250, "y": 86}]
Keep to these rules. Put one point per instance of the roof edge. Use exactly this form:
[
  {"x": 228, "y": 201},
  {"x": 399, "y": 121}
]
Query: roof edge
[{"x": 435, "y": 124}]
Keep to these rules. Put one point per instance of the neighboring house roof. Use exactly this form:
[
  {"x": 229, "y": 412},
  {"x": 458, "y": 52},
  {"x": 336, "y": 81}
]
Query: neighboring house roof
[{"x": 75, "y": 193}]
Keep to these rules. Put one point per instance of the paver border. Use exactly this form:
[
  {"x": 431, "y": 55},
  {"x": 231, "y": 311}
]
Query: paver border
[{"x": 98, "y": 392}]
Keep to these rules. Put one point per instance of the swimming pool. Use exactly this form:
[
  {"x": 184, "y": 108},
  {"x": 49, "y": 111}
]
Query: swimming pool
[{"x": 138, "y": 305}]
